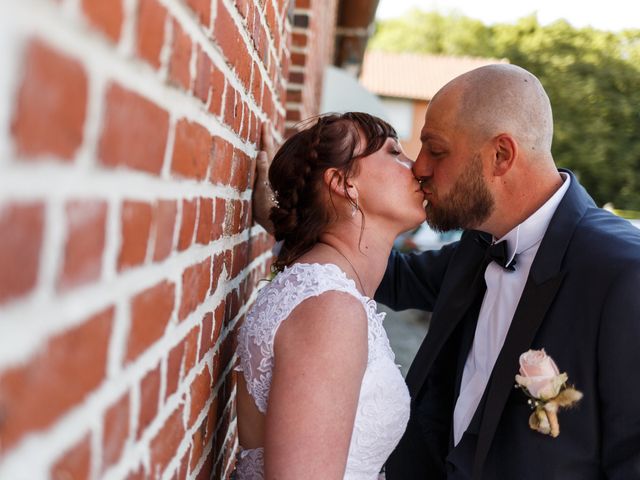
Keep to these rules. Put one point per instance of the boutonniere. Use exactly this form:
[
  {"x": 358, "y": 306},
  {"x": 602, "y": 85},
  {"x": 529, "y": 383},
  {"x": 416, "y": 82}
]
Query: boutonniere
[{"x": 547, "y": 389}]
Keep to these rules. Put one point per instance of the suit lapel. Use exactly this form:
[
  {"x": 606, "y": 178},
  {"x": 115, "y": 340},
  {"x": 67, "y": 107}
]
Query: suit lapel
[
  {"x": 528, "y": 317},
  {"x": 541, "y": 288}
]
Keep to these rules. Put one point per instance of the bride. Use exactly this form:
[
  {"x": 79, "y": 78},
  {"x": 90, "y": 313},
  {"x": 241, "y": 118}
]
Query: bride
[{"x": 320, "y": 396}]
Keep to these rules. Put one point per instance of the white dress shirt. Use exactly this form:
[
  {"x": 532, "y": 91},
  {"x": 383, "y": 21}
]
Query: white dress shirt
[{"x": 504, "y": 289}]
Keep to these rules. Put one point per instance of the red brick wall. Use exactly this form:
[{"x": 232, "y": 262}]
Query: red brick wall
[
  {"x": 312, "y": 43},
  {"x": 128, "y": 132}
]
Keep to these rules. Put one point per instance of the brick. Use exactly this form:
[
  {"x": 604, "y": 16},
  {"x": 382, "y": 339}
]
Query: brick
[
  {"x": 227, "y": 35},
  {"x": 205, "y": 221},
  {"x": 246, "y": 214},
  {"x": 232, "y": 304},
  {"x": 150, "y": 313},
  {"x": 206, "y": 472},
  {"x": 21, "y": 233},
  {"x": 267, "y": 102},
  {"x": 216, "y": 273},
  {"x": 294, "y": 96},
  {"x": 227, "y": 261},
  {"x": 115, "y": 431},
  {"x": 219, "y": 319},
  {"x": 270, "y": 15},
  {"x": 136, "y": 227},
  {"x": 219, "y": 219},
  {"x": 188, "y": 224},
  {"x": 299, "y": 59},
  {"x": 150, "y": 31},
  {"x": 256, "y": 84},
  {"x": 222, "y": 161},
  {"x": 191, "y": 151},
  {"x": 228, "y": 226},
  {"x": 240, "y": 258},
  {"x": 191, "y": 349},
  {"x": 32, "y": 398},
  {"x": 301, "y": 20},
  {"x": 240, "y": 178},
  {"x": 165, "y": 444},
  {"x": 75, "y": 462},
  {"x": 135, "y": 132},
  {"x": 174, "y": 365},
  {"x": 246, "y": 119},
  {"x": 299, "y": 39},
  {"x": 197, "y": 444},
  {"x": 200, "y": 391},
  {"x": 296, "y": 78},
  {"x": 183, "y": 467},
  {"x": 206, "y": 343},
  {"x": 195, "y": 286},
  {"x": 179, "y": 74},
  {"x": 149, "y": 395},
  {"x": 51, "y": 105},
  {"x": 228, "y": 348},
  {"x": 164, "y": 224},
  {"x": 243, "y": 7},
  {"x": 204, "y": 69},
  {"x": 212, "y": 417},
  {"x": 84, "y": 246},
  {"x": 254, "y": 135},
  {"x": 232, "y": 108},
  {"x": 242, "y": 66},
  {"x": 252, "y": 20},
  {"x": 217, "y": 90},
  {"x": 294, "y": 115},
  {"x": 203, "y": 9},
  {"x": 106, "y": 16}
]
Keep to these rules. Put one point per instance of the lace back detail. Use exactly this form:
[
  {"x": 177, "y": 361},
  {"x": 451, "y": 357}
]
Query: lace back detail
[{"x": 275, "y": 302}]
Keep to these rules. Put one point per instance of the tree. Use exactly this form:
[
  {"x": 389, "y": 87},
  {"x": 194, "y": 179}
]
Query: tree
[{"x": 592, "y": 78}]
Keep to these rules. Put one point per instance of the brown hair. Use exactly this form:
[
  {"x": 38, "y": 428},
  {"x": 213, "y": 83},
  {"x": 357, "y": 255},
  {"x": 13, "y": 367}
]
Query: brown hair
[{"x": 297, "y": 172}]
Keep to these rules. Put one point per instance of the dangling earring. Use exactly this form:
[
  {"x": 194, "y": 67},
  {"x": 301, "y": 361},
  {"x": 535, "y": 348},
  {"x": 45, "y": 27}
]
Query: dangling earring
[{"x": 354, "y": 208}]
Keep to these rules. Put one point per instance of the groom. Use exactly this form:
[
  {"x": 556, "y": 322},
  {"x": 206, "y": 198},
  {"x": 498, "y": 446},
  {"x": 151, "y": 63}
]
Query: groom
[{"x": 563, "y": 276}]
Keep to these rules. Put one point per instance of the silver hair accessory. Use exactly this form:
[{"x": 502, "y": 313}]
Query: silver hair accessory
[{"x": 273, "y": 195}]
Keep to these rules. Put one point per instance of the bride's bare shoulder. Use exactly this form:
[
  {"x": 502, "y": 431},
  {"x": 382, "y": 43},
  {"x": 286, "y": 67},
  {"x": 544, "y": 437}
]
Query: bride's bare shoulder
[{"x": 329, "y": 323}]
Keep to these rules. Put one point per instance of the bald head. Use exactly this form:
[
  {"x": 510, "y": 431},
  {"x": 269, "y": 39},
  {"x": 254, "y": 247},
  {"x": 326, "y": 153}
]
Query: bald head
[{"x": 503, "y": 98}]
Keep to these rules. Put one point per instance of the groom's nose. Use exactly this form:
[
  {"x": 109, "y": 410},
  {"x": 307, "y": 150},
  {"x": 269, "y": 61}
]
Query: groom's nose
[{"x": 422, "y": 167}]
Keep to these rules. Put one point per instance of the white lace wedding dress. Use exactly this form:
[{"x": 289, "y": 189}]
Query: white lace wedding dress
[{"x": 383, "y": 405}]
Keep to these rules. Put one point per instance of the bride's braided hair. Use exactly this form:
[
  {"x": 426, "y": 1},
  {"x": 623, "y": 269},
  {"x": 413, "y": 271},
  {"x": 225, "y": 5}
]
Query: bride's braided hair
[{"x": 297, "y": 171}]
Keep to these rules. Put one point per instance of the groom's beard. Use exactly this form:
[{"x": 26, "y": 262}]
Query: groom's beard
[{"x": 466, "y": 206}]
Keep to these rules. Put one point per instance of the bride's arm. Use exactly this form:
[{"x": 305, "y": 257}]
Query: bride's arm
[{"x": 320, "y": 359}]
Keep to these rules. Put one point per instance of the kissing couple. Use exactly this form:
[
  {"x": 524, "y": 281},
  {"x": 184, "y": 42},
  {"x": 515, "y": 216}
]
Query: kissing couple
[{"x": 528, "y": 368}]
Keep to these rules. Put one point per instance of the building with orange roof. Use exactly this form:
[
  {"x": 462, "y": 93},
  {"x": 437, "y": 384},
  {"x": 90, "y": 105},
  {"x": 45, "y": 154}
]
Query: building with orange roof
[{"x": 406, "y": 82}]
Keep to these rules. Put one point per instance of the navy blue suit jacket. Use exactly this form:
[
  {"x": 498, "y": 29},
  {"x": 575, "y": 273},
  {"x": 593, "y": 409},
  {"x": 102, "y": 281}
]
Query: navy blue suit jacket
[{"x": 581, "y": 303}]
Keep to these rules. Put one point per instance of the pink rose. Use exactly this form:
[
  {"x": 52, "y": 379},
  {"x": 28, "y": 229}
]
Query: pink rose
[
  {"x": 536, "y": 363},
  {"x": 540, "y": 375}
]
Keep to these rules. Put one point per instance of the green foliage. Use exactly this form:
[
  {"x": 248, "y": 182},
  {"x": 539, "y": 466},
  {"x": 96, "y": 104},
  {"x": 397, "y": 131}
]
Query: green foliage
[{"x": 591, "y": 76}]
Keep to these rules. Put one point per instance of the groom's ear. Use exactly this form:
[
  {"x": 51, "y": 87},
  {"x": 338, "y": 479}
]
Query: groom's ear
[{"x": 505, "y": 153}]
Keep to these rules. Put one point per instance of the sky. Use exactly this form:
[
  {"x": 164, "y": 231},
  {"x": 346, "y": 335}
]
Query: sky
[{"x": 611, "y": 15}]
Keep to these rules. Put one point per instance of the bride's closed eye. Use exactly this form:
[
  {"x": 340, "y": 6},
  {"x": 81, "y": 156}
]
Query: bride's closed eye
[{"x": 405, "y": 163}]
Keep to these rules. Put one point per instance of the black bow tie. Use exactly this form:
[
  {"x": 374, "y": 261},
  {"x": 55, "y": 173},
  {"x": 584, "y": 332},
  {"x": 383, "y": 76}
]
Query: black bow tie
[{"x": 499, "y": 253}]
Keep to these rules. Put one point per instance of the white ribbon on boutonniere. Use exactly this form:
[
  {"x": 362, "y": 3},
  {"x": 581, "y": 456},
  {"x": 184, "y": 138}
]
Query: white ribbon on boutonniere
[{"x": 547, "y": 389}]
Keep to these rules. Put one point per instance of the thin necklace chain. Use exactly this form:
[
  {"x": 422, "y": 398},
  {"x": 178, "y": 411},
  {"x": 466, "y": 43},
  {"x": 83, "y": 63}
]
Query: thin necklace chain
[{"x": 350, "y": 264}]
